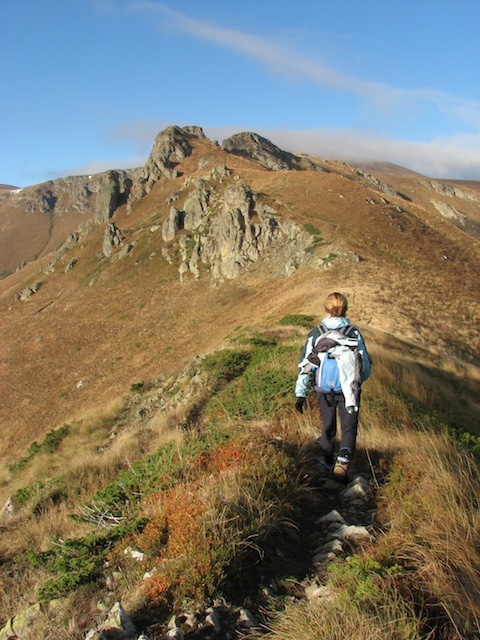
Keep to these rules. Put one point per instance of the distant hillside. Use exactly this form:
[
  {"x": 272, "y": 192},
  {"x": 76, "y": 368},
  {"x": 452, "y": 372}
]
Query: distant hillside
[{"x": 7, "y": 187}]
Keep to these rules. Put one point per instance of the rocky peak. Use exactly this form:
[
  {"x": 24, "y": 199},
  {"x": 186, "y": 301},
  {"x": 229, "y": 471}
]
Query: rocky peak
[
  {"x": 251, "y": 145},
  {"x": 170, "y": 147}
]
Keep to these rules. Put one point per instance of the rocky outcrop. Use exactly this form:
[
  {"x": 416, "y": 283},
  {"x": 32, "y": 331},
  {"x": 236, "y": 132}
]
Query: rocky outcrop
[
  {"x": 378, "y": 185},
  {"x": 171, "y": 146},
  {"x": 450, "y": 212},
  {"x": 450, "y": 190},
  {"x": 62, "y": 196},
  {"x": 111, "y": 238},
  {"x": 7, "y": 511},
  {"x": 71, "y": 241},
  {"x": 98, "y": 195},
  {"x": 251, "y": 145},
  {"x": 108, "y": 190},
  {"x": 28, "y": 292},
  {"x": 228, "y": 230},
  {"x": 117, "y": 625}
]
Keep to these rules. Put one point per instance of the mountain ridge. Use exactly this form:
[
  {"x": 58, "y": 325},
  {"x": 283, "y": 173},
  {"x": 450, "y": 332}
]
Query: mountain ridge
[
  {"x": 398, "y": 259},
  {"x": 151, "y": 459}
]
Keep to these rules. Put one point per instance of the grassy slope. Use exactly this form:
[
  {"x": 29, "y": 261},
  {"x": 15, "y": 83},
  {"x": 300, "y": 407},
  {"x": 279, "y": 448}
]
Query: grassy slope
[{"x": 232, "y": 464}]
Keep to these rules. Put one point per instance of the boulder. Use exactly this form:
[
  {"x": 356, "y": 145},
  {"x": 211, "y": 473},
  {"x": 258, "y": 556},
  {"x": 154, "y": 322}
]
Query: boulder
[
  {"x": 118, "y": 625},
  {"x": 112, "y": 238},
  {"x": 7, "y": 511}
]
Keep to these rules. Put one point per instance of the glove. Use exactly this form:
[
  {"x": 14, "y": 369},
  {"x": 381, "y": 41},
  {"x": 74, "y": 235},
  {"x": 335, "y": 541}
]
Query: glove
[{"x": 299, "y": 404}]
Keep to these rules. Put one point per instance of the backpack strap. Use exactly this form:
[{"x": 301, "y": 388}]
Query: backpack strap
[{"x": 347, "y": 330}]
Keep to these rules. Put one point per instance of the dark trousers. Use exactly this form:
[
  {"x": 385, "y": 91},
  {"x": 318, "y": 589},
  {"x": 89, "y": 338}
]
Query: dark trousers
[{"x": 329, "y": 404}]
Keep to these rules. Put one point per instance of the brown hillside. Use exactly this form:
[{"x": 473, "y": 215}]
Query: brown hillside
[{"x": 87, "y": 335}]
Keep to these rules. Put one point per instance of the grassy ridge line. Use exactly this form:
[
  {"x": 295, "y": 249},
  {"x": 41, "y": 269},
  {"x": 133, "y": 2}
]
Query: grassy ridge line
[{"x": 228, "y": 490}]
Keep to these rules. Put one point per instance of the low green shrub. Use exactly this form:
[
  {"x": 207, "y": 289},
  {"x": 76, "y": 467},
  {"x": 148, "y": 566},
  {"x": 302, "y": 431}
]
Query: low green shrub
[
  {"x": 362, "y": 580},
  {"x": 25, "y": 494},
  {"x": 227, "y": 364},
  {"x": 77, "y": 562},
  {"x": 265, "y": 387},
  {"x": 50, "y": 443},
  {"x": 260, "y": 340},
  {"x": 299, "y": 320}
]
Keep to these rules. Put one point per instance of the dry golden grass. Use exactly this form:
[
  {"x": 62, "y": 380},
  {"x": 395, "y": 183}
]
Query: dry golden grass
[
  {"x": 338, "y": 620},
  {"x": 431, "y": 507}
]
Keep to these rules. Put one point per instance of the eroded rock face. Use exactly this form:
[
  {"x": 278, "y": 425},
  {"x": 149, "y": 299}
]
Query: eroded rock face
[
  {"x": 227, "y": 228},
  {"x": 112, "y": 238},
  {"x": 98, "y": 194},
  {"x": 108, "y": 190},
  {"x": 450, "y": 212}
]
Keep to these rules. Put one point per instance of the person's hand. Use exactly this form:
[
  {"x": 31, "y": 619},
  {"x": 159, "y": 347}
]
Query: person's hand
[{"x": 299, "y": 404}]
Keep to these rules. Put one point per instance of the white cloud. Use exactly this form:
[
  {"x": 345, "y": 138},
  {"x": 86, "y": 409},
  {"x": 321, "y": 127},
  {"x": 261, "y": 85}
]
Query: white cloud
[{"x": 98, "y": 166}]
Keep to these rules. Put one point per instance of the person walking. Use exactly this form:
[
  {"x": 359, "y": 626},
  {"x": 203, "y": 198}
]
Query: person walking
[{"x": 336, "y": 354}]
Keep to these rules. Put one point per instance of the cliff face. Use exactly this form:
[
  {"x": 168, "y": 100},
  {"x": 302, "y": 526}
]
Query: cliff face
[{"x": 36, "y": 220}]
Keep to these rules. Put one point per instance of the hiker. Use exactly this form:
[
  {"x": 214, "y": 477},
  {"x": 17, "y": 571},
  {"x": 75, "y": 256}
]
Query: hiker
[{"x": 335, "y": 353}]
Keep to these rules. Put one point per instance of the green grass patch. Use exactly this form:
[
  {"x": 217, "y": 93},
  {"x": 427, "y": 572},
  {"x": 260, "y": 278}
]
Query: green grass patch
[
  {"x": 264, "y": 388},
  {"x": 298, "y": 320},
  {"x": 49, "y": 444},
  {"x": 227, "y": 364}
]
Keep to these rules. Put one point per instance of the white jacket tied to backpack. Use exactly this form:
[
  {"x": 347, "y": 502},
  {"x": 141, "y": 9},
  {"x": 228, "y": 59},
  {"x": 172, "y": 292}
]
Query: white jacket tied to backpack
[{"x": 336, "y": 352}]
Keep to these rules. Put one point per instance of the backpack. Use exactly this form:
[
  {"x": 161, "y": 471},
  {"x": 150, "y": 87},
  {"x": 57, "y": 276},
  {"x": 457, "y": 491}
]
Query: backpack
[{"x": 338, "y": 363}]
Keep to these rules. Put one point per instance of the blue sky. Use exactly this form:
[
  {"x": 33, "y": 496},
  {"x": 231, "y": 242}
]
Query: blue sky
[{"x": 87, "y": 84}]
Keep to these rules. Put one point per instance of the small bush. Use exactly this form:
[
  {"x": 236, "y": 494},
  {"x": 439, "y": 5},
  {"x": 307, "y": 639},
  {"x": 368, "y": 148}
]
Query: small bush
[
  {"x": 25, "y": 494},
  {"x": 312, "y": 230},
  {"x": 264, "y": 389},
  {"x": 330, "y": 258},
  {"x": 261, "y": 340},
  {"x": 361, "y": 580}
]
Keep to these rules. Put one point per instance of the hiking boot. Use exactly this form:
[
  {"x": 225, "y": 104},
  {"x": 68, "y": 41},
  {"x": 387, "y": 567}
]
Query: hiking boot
[{"x": 340, "y": 469}]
